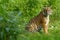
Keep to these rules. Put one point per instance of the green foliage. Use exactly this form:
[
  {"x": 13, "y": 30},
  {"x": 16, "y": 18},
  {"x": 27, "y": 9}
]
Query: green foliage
[{"x": 15, "y": 14}]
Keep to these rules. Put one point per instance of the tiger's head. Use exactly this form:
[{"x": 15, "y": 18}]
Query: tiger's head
[{"x": 47, "y": 11}]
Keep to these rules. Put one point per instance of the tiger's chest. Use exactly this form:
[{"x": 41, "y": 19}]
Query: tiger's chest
[{"x": 46, "y": 20}]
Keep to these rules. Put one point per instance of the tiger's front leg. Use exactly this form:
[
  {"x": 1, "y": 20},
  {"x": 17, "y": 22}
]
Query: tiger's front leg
[{"x": 45, "y": 28}]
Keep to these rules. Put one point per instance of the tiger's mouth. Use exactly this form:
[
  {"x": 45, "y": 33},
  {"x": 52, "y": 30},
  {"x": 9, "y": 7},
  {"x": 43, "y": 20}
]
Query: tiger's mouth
[{"x": 49, "y": 13}]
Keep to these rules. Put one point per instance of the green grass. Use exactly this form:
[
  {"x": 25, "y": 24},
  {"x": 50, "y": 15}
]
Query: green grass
[{"x": 54, "y": 33}]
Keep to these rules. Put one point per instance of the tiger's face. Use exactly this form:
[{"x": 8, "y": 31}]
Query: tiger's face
[{"x": 47, "y": 11}]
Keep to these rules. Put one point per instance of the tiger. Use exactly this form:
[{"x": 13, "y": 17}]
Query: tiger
[{"x": 40, "y": 21}]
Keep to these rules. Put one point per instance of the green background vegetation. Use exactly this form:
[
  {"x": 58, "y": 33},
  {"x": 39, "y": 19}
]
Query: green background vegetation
[{"x": 15, "y": 14}]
